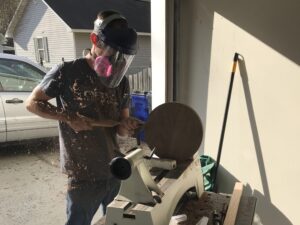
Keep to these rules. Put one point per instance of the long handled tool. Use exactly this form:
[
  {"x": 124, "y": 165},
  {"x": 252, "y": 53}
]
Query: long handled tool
[
  {"x": 235, "y": 59},
  {"x": 107, "y": 122}
]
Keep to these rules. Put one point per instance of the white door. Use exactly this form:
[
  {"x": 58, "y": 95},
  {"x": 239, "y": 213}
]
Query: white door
[
  {"x": 2, "y": 121},
  {"x": 21, "y": 124},
  {"x": 18, "y": 80}
]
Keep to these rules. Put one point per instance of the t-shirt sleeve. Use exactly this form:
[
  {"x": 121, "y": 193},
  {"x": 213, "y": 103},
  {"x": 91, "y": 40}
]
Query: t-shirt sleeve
[
  {"x": 125, "y": 98},
  {"x": 53, "y": 82}
]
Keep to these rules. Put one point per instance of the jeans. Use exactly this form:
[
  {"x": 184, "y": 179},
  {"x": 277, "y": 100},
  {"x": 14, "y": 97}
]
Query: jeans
[{"x": 84, "y": 199}]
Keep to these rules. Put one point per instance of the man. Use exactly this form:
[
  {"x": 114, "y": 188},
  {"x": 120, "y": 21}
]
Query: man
[{"x": 92, "y": 107}]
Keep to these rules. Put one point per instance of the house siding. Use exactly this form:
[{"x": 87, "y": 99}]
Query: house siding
[
  {"x": 82, "y": 41},
  {"x": 143, "y": 56},
  {"x": 39, "y": 20}
]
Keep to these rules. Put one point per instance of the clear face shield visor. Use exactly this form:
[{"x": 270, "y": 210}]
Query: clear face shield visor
[{"x": 112, "y": 65}]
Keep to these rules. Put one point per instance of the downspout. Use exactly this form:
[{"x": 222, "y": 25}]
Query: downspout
[{"x": 9, "y": 34}]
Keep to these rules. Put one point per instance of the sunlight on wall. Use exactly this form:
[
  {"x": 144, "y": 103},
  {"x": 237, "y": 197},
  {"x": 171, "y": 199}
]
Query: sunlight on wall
[{"x": 261, "y": 140}]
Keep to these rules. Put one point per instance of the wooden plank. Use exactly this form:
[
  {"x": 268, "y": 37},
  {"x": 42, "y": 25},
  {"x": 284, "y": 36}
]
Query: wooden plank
[{"x": 234, "y": 204}]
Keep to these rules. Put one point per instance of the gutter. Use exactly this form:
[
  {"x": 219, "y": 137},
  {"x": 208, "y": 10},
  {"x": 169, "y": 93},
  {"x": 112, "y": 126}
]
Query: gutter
[{"x": 14, "y": 21}]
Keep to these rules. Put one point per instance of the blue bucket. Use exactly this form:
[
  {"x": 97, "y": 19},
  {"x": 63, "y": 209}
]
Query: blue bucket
[{"x": 140, "y": 108}]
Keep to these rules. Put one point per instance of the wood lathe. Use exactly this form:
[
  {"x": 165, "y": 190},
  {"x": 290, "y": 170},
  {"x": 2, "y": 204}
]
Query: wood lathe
[{"x": 153, "y": 186}]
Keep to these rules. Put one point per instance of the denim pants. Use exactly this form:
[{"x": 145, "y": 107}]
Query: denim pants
[{"x": 84, "y": 199}]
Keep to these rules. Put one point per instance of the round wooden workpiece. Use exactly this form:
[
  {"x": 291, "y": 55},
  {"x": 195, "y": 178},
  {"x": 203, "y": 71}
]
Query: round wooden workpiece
[{"x": 174, "y": 130}]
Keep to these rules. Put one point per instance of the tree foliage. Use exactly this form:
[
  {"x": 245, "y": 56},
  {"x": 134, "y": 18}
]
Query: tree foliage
[{"x": 7, "y": 10}]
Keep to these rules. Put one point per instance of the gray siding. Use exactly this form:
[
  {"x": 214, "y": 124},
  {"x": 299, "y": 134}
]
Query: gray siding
[
  {"x": 82, "y": 41},
  {"x": 40, "y": 21},
  {"x": 143, "y": 56}
]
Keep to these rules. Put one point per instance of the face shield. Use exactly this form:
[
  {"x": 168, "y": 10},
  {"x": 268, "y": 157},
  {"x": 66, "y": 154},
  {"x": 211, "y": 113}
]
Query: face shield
[
  {"x": 112, "y": 65},
  {"x": 118, "y": 48}
]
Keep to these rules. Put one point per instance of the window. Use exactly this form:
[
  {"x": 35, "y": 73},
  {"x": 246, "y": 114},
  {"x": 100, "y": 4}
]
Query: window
[
  {"x": 18, "y": 76},
  {"x": 41, "y": 49}
]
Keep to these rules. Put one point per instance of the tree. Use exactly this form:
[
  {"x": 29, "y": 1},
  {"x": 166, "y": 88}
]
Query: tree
[{"x": 7, "y": 10}]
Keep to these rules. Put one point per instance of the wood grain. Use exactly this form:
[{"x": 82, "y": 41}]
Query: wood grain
[
  {"x": 234, "y": 204},
  {"x": 175, "y": 130}
]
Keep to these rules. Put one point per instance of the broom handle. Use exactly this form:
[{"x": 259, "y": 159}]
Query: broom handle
[{"x": 235, "y": 59}]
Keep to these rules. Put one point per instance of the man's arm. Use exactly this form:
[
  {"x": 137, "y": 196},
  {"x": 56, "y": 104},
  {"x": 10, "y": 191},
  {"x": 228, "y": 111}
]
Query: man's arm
[
  {"x": 128, "y": 124},
  {"x": 38, "y": 103}
]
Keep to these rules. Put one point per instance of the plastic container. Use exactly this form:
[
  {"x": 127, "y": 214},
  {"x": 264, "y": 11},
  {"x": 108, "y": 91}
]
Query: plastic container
[{"x": 140, "y": 108}]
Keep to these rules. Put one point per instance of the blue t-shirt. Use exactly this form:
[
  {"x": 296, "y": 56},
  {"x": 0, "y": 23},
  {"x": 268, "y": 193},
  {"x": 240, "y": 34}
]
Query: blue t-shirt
[{"x": 77, "y": 88}]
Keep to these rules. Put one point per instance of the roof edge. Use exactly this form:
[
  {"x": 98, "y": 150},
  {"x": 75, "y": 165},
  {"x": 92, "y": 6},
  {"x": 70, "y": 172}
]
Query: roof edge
[
  {"x": 14, "y": 21},
  {"x": 56, "y": 14}
]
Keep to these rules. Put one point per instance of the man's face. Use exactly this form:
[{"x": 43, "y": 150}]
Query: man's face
[
  {"x": 99, "y": 48},
  {"x": 102, "y": 49},
  {"x": 98, "y": 51}
]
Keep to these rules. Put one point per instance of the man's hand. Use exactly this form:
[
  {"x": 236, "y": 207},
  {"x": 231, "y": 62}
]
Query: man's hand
[{"x": 128, "y": 125}]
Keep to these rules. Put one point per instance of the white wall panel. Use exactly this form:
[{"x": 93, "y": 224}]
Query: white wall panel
[{"x": 261, "y": 145}]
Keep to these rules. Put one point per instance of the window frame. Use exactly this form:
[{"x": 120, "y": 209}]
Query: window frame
[{"x": 45, "y": 56}]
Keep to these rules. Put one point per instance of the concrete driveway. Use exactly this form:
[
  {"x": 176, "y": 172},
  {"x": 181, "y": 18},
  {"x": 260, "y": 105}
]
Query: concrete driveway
[{"x": 32, "y": 188}]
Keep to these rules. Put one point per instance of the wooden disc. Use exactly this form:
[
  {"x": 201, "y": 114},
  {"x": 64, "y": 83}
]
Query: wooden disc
[{"x": 175, "y": 130}]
